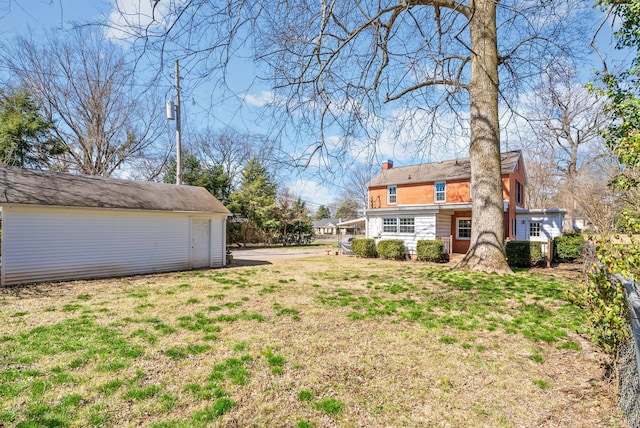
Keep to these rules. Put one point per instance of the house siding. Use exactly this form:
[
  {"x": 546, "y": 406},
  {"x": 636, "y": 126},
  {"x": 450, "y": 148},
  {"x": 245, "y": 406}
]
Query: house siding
[
  {"x": 550, "y": 226},
  {"x": 425, "y": 226},
  {"x": 53, "y": 244},
  {"x": 509, "y": 188},
  {"x": 443, "y": 225}
]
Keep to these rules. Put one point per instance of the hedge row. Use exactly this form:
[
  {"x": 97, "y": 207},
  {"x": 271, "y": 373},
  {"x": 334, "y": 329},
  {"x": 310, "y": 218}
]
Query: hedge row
[
  {"x": 394, "y": 249},
  {"x": 364, "y": 247},
  {"x": 569, "y": 246},
  {"x": 391, "y": 249},
  {"x": 430, "y": 251},
  {"x": 519, "y": 253},
  {"x": 523, "y": 253}
]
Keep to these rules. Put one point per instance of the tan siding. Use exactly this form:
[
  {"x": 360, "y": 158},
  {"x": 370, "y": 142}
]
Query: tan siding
[{"x": 443, "y": 225}]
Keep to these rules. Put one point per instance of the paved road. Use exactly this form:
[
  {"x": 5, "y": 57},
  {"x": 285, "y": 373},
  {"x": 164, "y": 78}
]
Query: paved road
[{"x": 256, "y": 256}]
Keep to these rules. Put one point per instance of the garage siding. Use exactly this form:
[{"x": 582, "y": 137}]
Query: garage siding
[
  {"x": 218, "y": 242},
  {"x": 49, "y": 244}
]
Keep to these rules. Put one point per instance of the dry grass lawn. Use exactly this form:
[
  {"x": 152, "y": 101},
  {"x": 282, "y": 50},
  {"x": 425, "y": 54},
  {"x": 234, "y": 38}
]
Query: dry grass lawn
[{"x": 316, "y": 342}]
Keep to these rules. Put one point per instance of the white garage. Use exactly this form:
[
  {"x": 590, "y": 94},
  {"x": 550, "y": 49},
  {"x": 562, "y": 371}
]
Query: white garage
[{"x": 58, "y": 226}]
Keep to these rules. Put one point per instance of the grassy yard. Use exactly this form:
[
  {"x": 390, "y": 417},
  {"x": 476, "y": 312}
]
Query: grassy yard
[{"x": 317, "y": 342}]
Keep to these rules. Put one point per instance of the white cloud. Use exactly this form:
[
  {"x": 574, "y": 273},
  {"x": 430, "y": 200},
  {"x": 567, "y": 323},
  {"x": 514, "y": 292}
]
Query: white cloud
[
  {"x": 262, "y": 99},
  {"x": 131, "y": 18}
]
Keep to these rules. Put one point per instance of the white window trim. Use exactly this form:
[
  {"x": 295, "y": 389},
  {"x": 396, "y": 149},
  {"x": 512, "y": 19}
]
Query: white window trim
[
  {"x": 389, "y": 225},
  {"x": 458, "y": 229},
  {"x": 435, "y": 192},
  {"x": 406, "y": 225},
  {"x": 539, "y": 234},
  {"x": 398, "y": 225},
  {"x": 389, "y": 195}
]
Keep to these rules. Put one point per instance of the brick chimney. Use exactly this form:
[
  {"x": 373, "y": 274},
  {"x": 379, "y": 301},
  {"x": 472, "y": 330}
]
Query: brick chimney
[{"x": 387, "y": 165}]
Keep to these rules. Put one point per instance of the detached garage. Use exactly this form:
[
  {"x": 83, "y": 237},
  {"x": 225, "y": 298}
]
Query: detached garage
[{"x": 58, "y": 226}]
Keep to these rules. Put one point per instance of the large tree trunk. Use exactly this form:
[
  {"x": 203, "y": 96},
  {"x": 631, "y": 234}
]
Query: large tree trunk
[{"x": 486, "y": 251}]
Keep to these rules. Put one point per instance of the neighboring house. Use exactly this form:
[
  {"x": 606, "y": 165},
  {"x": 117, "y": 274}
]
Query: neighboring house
[
  {"x": 59, "y": 226},
  {"x": 326, "y": 226},
  {"x": 430, "y": 201},
  {"x": 336, "y": 226}
]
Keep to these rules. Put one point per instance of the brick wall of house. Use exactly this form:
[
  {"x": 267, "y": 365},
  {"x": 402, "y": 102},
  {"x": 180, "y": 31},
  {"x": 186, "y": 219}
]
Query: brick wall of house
[
  {"x": 457, "y": 191},
  {"x": 459, "y": 245}
]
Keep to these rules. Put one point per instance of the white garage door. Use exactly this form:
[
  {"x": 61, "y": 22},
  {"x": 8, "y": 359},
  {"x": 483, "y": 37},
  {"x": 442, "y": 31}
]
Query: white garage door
[{"x": 200, "y": 239}]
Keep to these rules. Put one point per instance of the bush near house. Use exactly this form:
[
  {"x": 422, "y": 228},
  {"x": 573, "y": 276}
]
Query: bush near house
[
  {"x": 523, "y": 253},
  {"x": 364, "y": 247},
  {"x": 391, "y": 249},
  {"x": 430, "y": 250},
  {"x": 569, "y": 246}
]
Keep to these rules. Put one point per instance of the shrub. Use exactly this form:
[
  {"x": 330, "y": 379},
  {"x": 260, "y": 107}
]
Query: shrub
[
  {"x": 392, "y": 249},
  {"x": 430, "y": 251},
  {"x": 569, "y": 246},
  {"x": 523, "y": 253},
  {"x": 364, "y": 247}
]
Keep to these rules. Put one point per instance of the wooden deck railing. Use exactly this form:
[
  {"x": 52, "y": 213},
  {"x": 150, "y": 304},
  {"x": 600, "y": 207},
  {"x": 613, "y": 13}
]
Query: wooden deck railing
[{"x": 447, "y": 242}]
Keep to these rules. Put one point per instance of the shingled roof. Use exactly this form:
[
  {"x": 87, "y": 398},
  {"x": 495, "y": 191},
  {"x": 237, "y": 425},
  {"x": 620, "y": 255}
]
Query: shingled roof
[
  {"x": 438, "y": 171},
  {"x": 46, "y": 188}
]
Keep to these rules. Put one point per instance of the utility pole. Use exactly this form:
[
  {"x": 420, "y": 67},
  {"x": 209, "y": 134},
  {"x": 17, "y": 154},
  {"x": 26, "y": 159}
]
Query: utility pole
[{"x": 178, "y": 140}]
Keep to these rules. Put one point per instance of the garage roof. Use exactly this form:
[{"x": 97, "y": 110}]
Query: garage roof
[{"x": 20, "y": 186}]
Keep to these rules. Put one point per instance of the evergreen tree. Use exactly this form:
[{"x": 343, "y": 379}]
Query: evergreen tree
[
  {"x": 26, "y": 137},
  {"x": 323, "y": 212},
  {"x": 195, "y": 174},
  {"x": 255, "y": 200}
]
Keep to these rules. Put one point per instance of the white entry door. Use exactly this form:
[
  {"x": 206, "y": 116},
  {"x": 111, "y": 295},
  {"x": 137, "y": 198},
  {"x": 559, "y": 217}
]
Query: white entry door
[{"x": 200, "y": 243}]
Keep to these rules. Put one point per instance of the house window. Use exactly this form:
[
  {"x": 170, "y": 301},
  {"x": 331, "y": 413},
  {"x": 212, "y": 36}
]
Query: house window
[
  {"x": 519, "y": 193},
  {"x": 407, "y": 225},
  {"x": 463, "y": 228},
  {"x": 392, "y": 193},
  {"x": 441, "y": 191},
  {"x": 534, "y": 228},
  {"x": 390, "y": 225},
  {"x": 398, "y": 225}
]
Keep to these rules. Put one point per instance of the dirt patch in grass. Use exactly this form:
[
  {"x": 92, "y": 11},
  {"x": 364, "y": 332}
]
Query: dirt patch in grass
[{"x": 323, "y": 341}]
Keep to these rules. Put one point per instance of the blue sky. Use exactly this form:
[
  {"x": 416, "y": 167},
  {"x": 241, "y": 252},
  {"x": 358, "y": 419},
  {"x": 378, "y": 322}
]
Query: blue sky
[{"x": 19, "y": 17}]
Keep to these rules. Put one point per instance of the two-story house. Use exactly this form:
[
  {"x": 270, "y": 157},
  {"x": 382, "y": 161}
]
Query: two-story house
[{"x": 433, "y": 200}]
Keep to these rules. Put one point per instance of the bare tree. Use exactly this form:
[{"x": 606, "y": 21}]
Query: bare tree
[
  {"x": 567, "y": 123},
  {"x": 356, "y": 186},
  {"x": 106, "y": 119},
  {"x": 336, "y": 65},
  {"x": 542, "y": 183},
  {"x": 232, "y": 150}
]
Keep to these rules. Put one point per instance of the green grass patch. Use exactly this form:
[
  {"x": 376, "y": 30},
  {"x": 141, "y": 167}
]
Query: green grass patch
[
  {"x": 137, "y": 394},
  {"x": 233, "y": 369},
  {"x": 211, "y": 413},
  {"x": 542, "y": 384},
  {"x": 276, "y": 362},
  {"x": 305, "y": 395},
  {"x": 330, "y": 406},
  {"x": 523, "y": 304}
]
